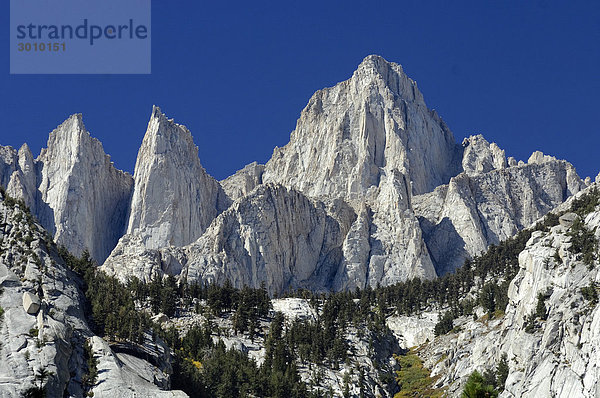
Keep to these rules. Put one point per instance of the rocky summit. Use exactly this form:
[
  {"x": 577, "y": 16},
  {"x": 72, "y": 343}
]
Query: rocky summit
[
  {"x": 408, "y": 200},
  {"x": 397, "y": 253}
]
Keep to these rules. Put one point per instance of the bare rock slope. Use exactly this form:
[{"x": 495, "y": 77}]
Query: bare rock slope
[
  {"x": 557, "y": 356},
  {"x": 43, "y": 325},
  {"x": 73, "y": 189}
]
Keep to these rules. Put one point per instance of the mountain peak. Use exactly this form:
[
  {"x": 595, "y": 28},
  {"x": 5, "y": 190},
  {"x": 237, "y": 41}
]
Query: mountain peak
[
  {"x": 75, "y": 121},
  {"x": 25, "y": 152},
  {"x": 157, "y": 113},
  {"x": 164, "y": 135},
  {"x": 174, "y": 199},
  {"x": 376, "y": 71},
  {"x": 82, "y": 196},
  {"x": 71, "y": 136},
  {"x": 378, "y": 63},
  {"x": 349, "y": 133}
]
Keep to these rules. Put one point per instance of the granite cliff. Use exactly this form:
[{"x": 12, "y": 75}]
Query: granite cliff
[{"x": 399, "y": 197}]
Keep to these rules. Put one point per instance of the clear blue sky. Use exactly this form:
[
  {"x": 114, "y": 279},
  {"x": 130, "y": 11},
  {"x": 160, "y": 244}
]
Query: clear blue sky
[{"x": 525, "y": 74}]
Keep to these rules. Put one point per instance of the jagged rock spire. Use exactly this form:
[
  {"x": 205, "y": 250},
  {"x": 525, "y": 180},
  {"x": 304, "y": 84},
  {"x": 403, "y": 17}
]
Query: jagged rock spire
[
  {"x": 82, "y": 197},
  {"x": 174, "y": 199}
]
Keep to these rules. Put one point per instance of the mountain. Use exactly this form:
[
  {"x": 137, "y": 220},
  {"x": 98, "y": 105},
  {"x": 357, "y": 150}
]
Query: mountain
[
  {"x": 477, "y": 209},
  {"x": 174, "y": 199},
  {"x": 416, "y": 203},
  {"x": 363, "y": 222},
  {"x": 350, "y": 135},
  {"x": 73, "y": 189},
  {"x": 402, "y": 198},
  {"x": 552, "y": 352}
]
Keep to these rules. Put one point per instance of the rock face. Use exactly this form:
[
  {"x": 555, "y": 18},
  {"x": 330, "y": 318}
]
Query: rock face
[
  {"x": 77, "y": 194},
  {"x": 82, "y": 198},
  {"x": 274, "y": 235},
  {"x": 48, "y": 329},
  {"x": 280, "y": 237},
  {"x": 416, "y": 203},
  {"x": 23, "y": 181},
  {"x": 8, "y": 164},
  {"x": 411, "y": 202},
  {"x": 384, "y": 245},
  {"x": 349, "y": 134},
  {"x": 480, "y": 156},
  {"x": 127, "y": 376},
  {"x": 72, "y": 187},
  {"x": 243, "y": 181},
  {"x": 463, "y": 218},
  {"x": 560, "y": 358},
  {"x": 174, "y": 199}
]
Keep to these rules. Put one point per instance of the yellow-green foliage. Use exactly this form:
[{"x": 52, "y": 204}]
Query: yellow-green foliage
[
  {"x": 197, "y": 364},
  {"x": 413, "y": 379}
]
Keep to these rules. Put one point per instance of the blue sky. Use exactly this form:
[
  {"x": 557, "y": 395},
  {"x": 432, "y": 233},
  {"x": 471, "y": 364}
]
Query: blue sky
[{"x": 525, "y": 74}]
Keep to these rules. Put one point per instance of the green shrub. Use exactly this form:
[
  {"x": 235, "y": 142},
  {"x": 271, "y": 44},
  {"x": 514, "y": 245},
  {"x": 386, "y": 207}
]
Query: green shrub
[
  {"x": 586, "y": 203},
  {"x": 502, "y": 371},
  {"x": 413, "y": 379},
  {"x": 590, "y": 294},
  {"x": 540, "y": 309},
  {"x": 530, "y": 323},
  {"x": 583, "y": 242},
  {"x": 476, "y": 387},
  {"x": 91, "y": 375}
]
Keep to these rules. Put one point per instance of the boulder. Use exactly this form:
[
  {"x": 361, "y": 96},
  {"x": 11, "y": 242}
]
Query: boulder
[
  {"x": 160, "y": 318},
  {"x": 567, "y": 219},
  {"x": 31, "y": 303}
]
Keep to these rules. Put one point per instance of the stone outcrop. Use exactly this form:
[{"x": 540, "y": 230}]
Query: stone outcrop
[
  {"x": 174, "y": 199},
  {"x": 280, "y": 237},
  {"x": 23, "y": 180},
  {"x": 82, "y": 197},
  {"x": 384, "y": 245},
  {"x": 567, "y": 220},
  {"x": 480, "y": 156},
  {"x": 274, "y": 235},
  {"x": 72, "y": 187},
  {"x": 8, "y": 164},
  {"x": 43, "y": 325},
  {"x": 463, "y": 218},
  {"x": 560, "y": 358},
  {"x": 31, "y": 303},
  {"x": 243, "y": 181}
]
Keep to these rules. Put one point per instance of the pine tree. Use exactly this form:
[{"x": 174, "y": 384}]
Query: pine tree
[{"x": 502, "y": 371}]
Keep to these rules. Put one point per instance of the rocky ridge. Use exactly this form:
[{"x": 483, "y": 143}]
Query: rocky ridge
[
  {"x": 43, "y": 325},
  {"x": 174, "y": 199},
  {"x": 73, "y": 189},
  {"x": 405, "y": 215},
  {"x": 556, "y": 356},
  {"x": 411, "y": 201},
  {"x": 357, "y": 206},
  {"x": 473, "y": 211}
]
